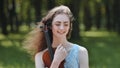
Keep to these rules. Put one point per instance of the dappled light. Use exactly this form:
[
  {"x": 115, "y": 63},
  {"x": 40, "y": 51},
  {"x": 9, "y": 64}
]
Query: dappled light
[
  {"x": 98, "y": 33},
  {"x": 14, "y": 57},
  {"x": 103, "y": 50},
  {"x": 96, "y": 26}
]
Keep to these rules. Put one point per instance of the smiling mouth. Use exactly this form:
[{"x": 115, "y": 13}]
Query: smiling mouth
[{"x": 61, "y": 32}]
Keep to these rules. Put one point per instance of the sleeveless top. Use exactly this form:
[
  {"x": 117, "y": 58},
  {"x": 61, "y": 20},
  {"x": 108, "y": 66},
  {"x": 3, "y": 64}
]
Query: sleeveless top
[{"x": 72, "y": 60}]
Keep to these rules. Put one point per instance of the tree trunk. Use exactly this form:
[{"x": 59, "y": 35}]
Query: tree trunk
[
  {"x": 50, "y": 4},
  {"x": 3, "y": 18},
  {"x": 109, "y": 19},
  {"x": 14, "y": 23},
  {"x": 87, "y": 19},
  {"x": 38, "y": 6},
  {"x": 74, "y": 5},
  {"x": 116, "y": 13},
  {"x": 98, "y": 15}
]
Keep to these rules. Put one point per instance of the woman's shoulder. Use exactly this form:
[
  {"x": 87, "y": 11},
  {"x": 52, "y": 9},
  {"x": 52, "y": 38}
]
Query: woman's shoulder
[
  {"x": 81, "y": 48},
  {"x": 39, "y": 54},
  {"x": 83, "y": 56},
  {"x": 38, "y": 59}
]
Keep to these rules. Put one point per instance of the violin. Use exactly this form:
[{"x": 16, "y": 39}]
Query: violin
[
  {"x": 47, "y": 61},
  {"x": 49, "y": 54}
]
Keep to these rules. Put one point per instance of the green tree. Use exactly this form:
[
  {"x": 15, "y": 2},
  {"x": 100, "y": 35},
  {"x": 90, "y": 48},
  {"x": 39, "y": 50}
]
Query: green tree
[
  {"x": 37, "y": 4},
  {"x": 50, "y": 4},
  {"x": 98, "y": 14},
  {"x": 87, "y": 19},
  {"x": 116, "y": 15},
  {"x": 74, "y": 5},
  {"x": 109, "y": 11},
  {"x": 3, "y": 18},
  {"x": 12, "y": 18}
]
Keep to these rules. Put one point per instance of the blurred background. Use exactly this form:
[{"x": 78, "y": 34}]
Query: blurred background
[{"x": 96, "y": 27}]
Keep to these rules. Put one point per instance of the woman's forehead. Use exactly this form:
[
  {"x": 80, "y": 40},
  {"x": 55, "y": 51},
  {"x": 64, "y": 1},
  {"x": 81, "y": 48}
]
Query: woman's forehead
[{"x": 61, "y": 17}]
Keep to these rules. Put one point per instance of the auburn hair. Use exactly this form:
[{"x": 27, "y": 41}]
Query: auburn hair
[{"x": 35, "y": 40}]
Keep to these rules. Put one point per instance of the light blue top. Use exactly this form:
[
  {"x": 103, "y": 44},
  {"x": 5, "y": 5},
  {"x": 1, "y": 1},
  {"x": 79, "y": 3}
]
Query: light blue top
[{"x": 72, "y": 60}]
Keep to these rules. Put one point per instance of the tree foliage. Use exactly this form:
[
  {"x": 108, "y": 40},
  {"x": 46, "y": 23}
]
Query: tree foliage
[{"x": 97, "y": 13}]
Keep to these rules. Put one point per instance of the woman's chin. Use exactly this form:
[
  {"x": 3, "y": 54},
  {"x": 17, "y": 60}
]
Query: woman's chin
[{"x": 61, "y": 36}]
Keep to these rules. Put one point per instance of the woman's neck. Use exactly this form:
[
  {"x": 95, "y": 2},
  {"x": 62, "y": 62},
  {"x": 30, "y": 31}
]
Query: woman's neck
[{"x": 58, "y": 41}]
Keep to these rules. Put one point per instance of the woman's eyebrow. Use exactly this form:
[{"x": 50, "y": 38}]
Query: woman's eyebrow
[
  {"x": 58, "y": 22},
  {"x": 66, "y": 22}
]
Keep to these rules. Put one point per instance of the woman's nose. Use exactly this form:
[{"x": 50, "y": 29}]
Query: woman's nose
[{"x": 61, "y": 27}]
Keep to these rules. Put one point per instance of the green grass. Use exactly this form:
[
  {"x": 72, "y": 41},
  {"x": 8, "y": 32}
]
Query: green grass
[
  {"x": 103, "y": 48},
  {"x": 13, "y": 57},
  {"x": 12, "y": 54}
]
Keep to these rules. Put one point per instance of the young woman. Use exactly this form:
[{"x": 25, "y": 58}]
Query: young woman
[{"x": 66, "y": 54}]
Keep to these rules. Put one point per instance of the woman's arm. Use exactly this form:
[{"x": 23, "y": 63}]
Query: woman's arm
[
  {"x": 38, "y": 60},
  {"x": 83, "y": 58},
  {"x": 59, "y": 56},
  {"x": 40, "y": 64}
]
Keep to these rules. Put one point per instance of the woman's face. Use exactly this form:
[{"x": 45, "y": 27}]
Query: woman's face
[{"x": 60, "y": 25}]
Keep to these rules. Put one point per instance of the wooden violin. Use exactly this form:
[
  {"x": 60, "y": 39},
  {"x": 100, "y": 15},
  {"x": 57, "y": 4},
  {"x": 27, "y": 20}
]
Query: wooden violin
[
  {"x": 47, "y": 61},
  {"x": 49, "y": 54}
]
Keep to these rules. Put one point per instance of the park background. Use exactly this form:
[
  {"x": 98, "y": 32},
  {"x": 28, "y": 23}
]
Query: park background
[{"x": 96, "y": 27}]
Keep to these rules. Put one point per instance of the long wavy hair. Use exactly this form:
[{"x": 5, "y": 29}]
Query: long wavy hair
[{"x": 35, "y": 40}]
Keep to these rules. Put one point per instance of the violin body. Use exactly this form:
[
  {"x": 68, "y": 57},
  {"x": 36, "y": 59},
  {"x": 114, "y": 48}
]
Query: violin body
[
  {"x": 47, "y": 60},
  {"x": 48, "y": 55}
]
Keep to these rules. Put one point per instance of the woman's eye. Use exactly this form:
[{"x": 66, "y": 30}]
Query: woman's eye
[
  {"x": 57, "y": 24},
  {"x": 65, "y": 24}
]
